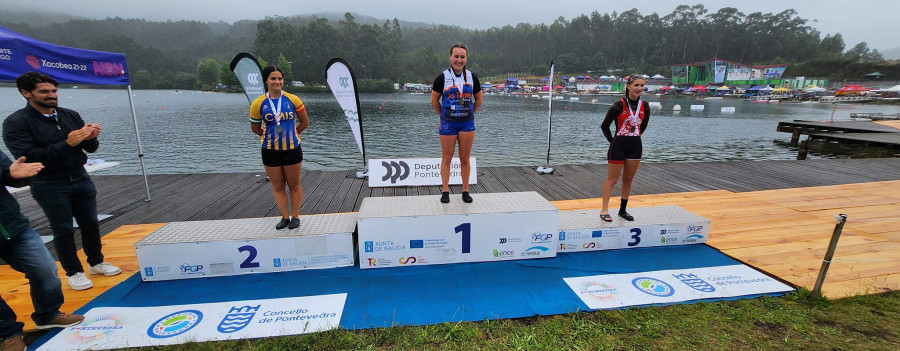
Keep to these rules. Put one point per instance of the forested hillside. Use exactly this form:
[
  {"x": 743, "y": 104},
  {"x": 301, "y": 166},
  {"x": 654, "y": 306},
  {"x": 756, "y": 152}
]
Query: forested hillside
[{"x": 195, "y": 55}]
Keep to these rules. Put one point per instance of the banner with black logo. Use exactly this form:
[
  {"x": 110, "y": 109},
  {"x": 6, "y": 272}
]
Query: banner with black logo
[
  {"x": 247, "y": 70},
  {"x": 415, "y": 172}
]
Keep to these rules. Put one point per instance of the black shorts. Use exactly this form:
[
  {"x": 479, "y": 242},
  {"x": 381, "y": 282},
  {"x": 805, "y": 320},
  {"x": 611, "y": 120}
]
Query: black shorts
[
  {"x": 624, "y": 148},
  {"x": 278, "y": 158}
]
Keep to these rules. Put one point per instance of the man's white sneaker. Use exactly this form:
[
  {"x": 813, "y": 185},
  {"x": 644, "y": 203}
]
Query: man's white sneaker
[
  {"x": 79, "y": 281},
  {"x": 104, "y": 268}
]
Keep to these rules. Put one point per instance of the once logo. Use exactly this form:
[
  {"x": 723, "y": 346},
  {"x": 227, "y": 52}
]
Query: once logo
[
  {"x": 175, "y": 324},
  {"x": 237, "y": 318},
  {"x": 503, "y": 253},
  {"x": 652, "y": 286},
  {"x": 395, "y": 170},
  {"x": 253, "y": 78}
]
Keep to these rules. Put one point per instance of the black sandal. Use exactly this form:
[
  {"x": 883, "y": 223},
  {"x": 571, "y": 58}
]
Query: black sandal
[
  {"x": 606, "y": 217},
  {"x": 627, "y": 216}
]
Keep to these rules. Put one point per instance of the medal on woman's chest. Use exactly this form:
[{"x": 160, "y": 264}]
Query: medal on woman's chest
[{"x": 276, "y": 109}]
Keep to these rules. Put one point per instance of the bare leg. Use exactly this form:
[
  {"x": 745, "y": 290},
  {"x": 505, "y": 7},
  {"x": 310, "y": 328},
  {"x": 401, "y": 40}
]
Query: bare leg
[
  {"x": 292, "y": 177},
  {"x": 630, "y": 169},
  {"x": 612, "y": 177},
  {"x": 466, "y": 139},
  {"x": 448, "y": 147},
  {"x": 276, "y": 177}
]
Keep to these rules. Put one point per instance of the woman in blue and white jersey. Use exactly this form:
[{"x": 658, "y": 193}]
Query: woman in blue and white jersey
[
  {"x": 278, "y": 118},
  {"x": 455, "y": 97}
]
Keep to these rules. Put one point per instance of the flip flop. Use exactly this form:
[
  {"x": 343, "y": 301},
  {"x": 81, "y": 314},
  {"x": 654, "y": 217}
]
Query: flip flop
[
  {"x": 627, "y": 216},
  {"x": 606, "y": 217}
]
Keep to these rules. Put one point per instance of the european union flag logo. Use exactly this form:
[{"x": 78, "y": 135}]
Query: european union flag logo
[
  {"x": 597, "y": 234},
  {"x": 416, "y": 244}
]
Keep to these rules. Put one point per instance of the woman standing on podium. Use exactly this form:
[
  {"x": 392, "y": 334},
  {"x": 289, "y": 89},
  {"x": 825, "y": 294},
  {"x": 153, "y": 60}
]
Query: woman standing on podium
[
  {"x": 278, "y": 118},
  {"x": 455, "y": 97},
  {"x": 631, "y": 116}
]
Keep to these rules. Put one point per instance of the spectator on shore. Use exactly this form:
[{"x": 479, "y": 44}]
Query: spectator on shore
[
  {"x": 57, "y": 138},
  {"x": 23, "y": 250}
]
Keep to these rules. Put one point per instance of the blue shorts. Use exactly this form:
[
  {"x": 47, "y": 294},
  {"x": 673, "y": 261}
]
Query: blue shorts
[{"x": 453, "y": 128}]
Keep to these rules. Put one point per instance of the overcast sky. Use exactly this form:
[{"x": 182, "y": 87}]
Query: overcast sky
[{"x": 871, "y": 21}]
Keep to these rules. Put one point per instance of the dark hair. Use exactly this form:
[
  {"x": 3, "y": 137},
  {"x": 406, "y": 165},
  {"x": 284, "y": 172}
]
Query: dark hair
[
  {"x": 29, "y": 81},
  {"x": 633, "y": 77},
  {"x": 458, "y": 45},
  {"x": 630, "y": 79},
  {"x": 268, "y": 71}
]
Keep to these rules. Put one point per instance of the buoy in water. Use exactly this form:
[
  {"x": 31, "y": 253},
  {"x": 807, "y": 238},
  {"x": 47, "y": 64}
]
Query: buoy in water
[{"x": 676, "y": 108}]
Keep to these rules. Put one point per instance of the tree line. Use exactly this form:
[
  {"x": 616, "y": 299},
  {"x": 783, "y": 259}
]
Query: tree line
[{"x": 195, "y": 55}]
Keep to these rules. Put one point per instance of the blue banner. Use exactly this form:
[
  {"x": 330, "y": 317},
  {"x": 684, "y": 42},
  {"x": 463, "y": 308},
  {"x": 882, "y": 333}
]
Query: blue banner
[{"x": 20, "y": 54}]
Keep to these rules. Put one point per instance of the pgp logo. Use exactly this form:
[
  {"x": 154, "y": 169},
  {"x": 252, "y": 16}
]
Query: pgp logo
[
  {"x": 253, "y": 78},
  {"x": 395, "y": 170},
  {"x": 407, "y": 260},
  {"x": 344, "y": 81},
  {"x": 653, "y": 286},
  {"x": 237, "y": 318},
  {"x": 693, "y": 229},
  {"x": 540, "y": 238},
  {"x": 189, "y": 269},
  {"x": 175, "y": 324}
]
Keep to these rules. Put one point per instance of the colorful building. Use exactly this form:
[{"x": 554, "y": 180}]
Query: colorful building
[{"x": 730, "y": 73}]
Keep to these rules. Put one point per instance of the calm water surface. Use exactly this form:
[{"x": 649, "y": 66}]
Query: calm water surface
[{"x": 194, "y": 132}]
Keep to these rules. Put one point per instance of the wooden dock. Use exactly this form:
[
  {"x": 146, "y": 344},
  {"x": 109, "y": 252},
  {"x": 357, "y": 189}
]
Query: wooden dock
[
  {"x": 854, "y": 138},
  {"x": 774, "y": 215}
]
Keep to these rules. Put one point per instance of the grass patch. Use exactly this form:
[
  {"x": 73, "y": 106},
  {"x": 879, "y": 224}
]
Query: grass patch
[{"x": 795, "y": 321}]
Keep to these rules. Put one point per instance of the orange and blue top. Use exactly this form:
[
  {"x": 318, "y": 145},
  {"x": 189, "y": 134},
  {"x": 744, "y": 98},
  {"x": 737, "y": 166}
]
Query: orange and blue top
[{"x": 262, "y": 113}]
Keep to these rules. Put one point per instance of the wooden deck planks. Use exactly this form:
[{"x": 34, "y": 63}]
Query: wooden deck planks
[{"x": 774, "y": 215}]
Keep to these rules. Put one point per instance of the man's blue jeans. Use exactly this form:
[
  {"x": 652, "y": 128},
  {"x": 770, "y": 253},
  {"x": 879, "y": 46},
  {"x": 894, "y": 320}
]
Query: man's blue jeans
[
  {"x": 26, "y": 253},
  {"x": 61, "y": 201}
]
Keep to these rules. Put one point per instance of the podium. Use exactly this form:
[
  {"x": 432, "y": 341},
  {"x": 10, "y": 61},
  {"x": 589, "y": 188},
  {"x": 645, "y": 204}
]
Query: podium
[
  {"x": 420, "y": 230},
  {"x": 184, "y": 250},
  {"x": 583, "y": 230}
]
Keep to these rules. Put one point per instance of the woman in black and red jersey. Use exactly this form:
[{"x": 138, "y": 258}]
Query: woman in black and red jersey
[{"x": 630, "y": 115}]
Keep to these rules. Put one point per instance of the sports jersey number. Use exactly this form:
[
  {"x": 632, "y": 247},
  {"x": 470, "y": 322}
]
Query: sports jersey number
[
  {"x": 248, "y": 263},
  {"x": 466, "y": 230},
  {"x": 636, "y": 236}
]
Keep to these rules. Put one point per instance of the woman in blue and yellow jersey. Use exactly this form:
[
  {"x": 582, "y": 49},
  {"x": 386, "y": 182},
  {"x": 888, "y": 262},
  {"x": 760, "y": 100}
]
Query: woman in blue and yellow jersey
[
  {"x": 455, "y": 97},
  {"x": 279, "y": 118},
  {"x": 631, "y": 116}
]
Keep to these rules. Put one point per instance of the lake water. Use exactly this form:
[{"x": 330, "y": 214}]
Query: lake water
[{"x": 195, "y": 132}]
